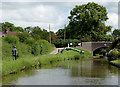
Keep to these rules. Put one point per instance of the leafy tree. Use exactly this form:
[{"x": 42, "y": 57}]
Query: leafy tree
[
  {"x": 11, "y": 27},
  {"x": 116, "y": 33},
  {"x": 60, "y": 33},
  {"x": 18, "y": 29},
  {"x": 23, "y": 36},
  {"x": 116, "y": 43},
  {"x": 38, "y": 34},
  {"x": 88, "y": 20},
  {"x": 27, "y": 29},
  {"x": 7, "y": 25}
]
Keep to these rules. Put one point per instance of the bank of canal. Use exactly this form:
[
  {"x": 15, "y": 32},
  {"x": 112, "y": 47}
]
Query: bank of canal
[{"x": 69, "y": 72}]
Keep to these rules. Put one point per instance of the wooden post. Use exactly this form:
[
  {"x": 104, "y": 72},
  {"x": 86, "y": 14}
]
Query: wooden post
[
  {"x": 64, "y": 32},
  {"x": 49, "y": 34}
]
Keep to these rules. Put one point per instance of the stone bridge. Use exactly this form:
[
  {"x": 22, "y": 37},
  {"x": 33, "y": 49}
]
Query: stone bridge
[{"x": 93, "y": 46}]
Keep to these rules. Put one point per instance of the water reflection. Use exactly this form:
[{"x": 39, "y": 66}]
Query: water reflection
[{"x": 74, "y": 72}]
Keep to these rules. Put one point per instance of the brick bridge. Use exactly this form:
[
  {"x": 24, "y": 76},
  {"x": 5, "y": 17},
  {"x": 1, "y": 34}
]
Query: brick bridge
[{"x": 93, "y": 46}]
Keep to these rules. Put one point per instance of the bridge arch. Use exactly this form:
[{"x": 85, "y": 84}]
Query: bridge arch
[{"x": 97, "y": 50}]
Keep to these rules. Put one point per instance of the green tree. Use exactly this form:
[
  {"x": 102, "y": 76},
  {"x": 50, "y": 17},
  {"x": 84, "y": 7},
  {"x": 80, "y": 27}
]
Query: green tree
[
  {"x": 7, "y": 25},
  {"x": 38, "y": 34},
  {"x": 27, "y": 29},
  {"x": 18, "y": 29},
  {"x": 116, "y": 43},
  {"x": 23, "y": 36},
  {"x": 88, "y": 19},
  {"x": 116, "y": 33},
  {"x": 60, "y": 33},
  {"x": 10, "y": 26}
]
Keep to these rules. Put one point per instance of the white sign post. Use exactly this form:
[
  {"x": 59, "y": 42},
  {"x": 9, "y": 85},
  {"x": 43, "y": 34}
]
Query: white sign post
[{"x": 68, "y": 45}]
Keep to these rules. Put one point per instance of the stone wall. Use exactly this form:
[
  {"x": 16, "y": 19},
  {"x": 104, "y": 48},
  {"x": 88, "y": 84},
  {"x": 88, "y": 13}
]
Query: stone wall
[{"x": 92, "y": 46}]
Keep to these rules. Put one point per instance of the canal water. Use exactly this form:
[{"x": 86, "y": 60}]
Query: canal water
[{"x": 71, "y": 72}]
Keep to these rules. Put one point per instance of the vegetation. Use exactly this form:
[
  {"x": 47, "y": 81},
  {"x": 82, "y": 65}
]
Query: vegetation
[
  {"x": 113, "y": 55},
  {"x": 116, "y": 62},
  {"x": 30, "y": 61},
  {"x": 28, "y": 47},
  {"x": 64, "y": 43},
  {"x": 87, "y": 23},
  {"x": 116, "y": 43},
  {"x": 116, "y": 33}
]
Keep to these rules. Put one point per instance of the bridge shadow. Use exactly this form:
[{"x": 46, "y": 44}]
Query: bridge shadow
[{"x": 100, "y": 50}]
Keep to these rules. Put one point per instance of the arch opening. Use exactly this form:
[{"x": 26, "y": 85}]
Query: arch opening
[{"x": 101, "y": 51}]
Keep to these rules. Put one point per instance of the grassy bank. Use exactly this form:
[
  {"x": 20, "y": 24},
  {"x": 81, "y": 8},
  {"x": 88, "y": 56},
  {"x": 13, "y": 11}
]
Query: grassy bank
[
  {"x": 116, "y": 62},
  {"x": 27, "y": 62},
  {"x": 87, "y": 54}
]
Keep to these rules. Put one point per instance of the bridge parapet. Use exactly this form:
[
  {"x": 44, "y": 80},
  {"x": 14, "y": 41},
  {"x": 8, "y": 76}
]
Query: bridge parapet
[{"x": 92, "y": 46}]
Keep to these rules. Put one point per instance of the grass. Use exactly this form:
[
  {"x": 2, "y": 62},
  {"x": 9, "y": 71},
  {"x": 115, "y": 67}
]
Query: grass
[
  {"x": 87, "y": 54},
  {"x": 116, "y": 62},
  {"x": 9, "y": 66}
]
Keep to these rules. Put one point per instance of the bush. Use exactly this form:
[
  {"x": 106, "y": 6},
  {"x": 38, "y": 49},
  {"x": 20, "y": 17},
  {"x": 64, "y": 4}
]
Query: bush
[
  {"x": 39, "y": 47},
  {"x": 113, "y": 55},
  {"x": 62, "y": 43},
  {"x": 12, "y": 41},
  {"x": 116, "y": 43},
  {"x": 23, "y": 36},
  {"x": 25, "y": 49},
  {"x": 45, "y": 46},
  {"x": 29, "y": 46}
]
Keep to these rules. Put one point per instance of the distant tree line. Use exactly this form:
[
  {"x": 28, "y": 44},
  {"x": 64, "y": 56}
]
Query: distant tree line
[{"x": 86, "y": 24}]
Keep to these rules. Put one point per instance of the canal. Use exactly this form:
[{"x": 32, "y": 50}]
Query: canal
[{"x": 71, "y": 72}]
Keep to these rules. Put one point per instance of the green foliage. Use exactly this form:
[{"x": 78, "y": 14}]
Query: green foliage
[
  {"x": 28, "y": 47},
  {"x": 11, "y": 27},
  {"x": 25, "y": 49},
  {"x": 62, "y": 43},
  {"x": 35, "y": 49},
  {"x": 116, "y": 33},
  {"x": 60, "y": 33},
  {"x": 6, "y": 49},
  {"x": 116, "y": 43},
  {"x": 23, "y": 36},
  {"x": 39, "y": 34},
  {"x": 87, "y": 23},
  {"x": 34, "y": 45},
  {"x": 116, "y": 62},
  {"x": 45, "y": 47},
  {"x": 13, "y": 41},
  {"x": 29, "y": 62},
  {"x": 39, "y": 47},
  {"x": 113, "y": 55}
]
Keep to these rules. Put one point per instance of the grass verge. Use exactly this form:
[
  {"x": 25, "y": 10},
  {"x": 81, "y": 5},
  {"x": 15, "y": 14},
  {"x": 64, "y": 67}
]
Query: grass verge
[
  {"x": 116, "y": 62},
  {"x": 12, "y": 67}
]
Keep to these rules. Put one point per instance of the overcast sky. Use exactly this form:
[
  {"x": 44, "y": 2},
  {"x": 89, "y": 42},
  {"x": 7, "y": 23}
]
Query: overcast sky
[{"x": 54, "y": 12}]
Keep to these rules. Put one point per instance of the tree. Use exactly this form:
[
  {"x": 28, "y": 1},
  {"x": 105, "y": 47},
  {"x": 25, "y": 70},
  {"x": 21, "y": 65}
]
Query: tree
[
  {"x": 116, "y": 43},
  {"x": 38, "y": 34},
  {"x": 23, "y": 36},
  {"x": 7, "y": 25},
  {"x": 60, "y": 33},
  {"x": 28, "y": 29},
  {"x": 18, "y": 29},
  {"x": 116, "y": 33},
  {"x": 88, "y": 19},
  {"x": 11, "y": 27}
]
